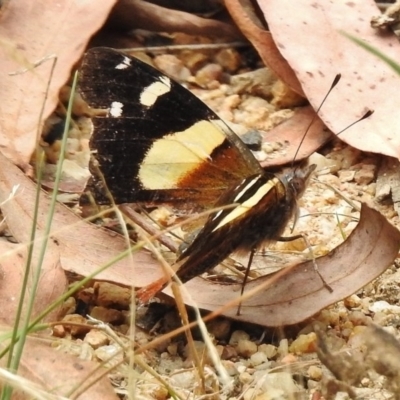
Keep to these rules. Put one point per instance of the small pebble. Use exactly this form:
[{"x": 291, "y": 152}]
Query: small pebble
[
  {"x": 86, "y": 295},
  {"x": 172, "y": 67},
  {"x": 107, "y": 315},
  {"x": 314, "y": 372},
  {"x": 269, "y": 350},
  {"x": 231, "y": 102},
  {"x": 76, "y": 330},
  {"x": 258, "y": 358},
  {"x": 346, "y": 175},
  {"x": 246, "y": 348},
  {"x": 220, "y": 328},
  {"x": 238, "y": 335},
  {"x": 59, "y": 331},
  {"x": 208, "y": 74},
  {"x": 283, "y": 348},
  {"x": 193, "y": 60},
  {"x": 240, "y": 367},
  {"x": 304, "y": 344},
  {"x": 284, "y": 97},
  {"x": 220, "y": 349},
  {"x": 245, "y": 378},
  {"x": 173, "y": 349},
  {"x": 364, "y": 177},
  {"x": 112, "y": 354},
  {"x": 267, "y": 148},
  {"x": 258, "y": 83},
  {"x": 329, "y": 317},
  {"x": 230, "y": 367},
  {"x": 96, "y": 338},
  {"x": 160, "y": 392},
  {"x": 384, "y": 306},
  {"x": 111, "y": 295},
  {"x": 228, "y": 353},
  {"x": 229, "y": 59},
  {"x": 289, "y": 359}
]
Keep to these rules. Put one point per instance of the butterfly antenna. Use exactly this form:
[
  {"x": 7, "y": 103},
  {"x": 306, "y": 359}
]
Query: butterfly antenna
[
  {"x": 365, "y": 116},
  {"x": 334, "y": 83}
]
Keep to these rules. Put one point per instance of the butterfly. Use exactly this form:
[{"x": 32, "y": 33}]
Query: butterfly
[{"x": 155, "y": 142}]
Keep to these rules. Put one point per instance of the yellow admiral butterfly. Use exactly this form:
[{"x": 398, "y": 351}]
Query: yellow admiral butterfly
[{"x": 157, "y": 143}]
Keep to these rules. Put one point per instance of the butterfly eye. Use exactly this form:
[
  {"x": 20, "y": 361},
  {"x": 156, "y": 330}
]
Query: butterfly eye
[{"x": 299, "y": 179}]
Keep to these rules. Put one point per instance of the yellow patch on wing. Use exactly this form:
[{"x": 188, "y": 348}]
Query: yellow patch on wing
[
  {"x": 177, "y": 154},
  {"x": 248, "y": 204},
  {"x": 152, "y": 92}
]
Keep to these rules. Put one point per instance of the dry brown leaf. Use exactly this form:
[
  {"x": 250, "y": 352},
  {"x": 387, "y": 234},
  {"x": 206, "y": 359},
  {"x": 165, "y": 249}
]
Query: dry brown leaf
[
  {"x": 291, "y": 133},
  {"x": 29, "y": 32},
  {"x": 59, "y": 373},
  {"x": 295, "y": 294},
  {"x": 246, "y": 19},
  {"x": 138, "y": 14},
  {"x": 310, "y": 40},
  {"x": 52, "y": 283},
  {"x": 83, "y": 247},
  {"x": 292, "y": 130}
]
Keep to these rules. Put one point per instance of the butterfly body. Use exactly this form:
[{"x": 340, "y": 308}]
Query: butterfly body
[
  {"x": 157, "y": 143},
  {"x": 261, "y": 208}
]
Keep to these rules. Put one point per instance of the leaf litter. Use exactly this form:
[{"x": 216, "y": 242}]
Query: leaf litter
[{"x": 73, "y": 251}]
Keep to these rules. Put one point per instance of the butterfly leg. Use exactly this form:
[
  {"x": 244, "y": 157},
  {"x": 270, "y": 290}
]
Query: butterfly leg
[{"x": 246, "y": 275}]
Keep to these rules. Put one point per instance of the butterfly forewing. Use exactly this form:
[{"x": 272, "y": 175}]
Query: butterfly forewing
[{"x": 157, "y": 143}]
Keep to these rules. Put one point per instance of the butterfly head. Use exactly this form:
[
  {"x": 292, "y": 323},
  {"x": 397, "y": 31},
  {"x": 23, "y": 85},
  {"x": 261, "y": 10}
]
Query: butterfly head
[{"x": 297, "y": 179}]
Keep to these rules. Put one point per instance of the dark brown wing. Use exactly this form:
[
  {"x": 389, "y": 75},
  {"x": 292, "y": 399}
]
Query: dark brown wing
[{"x": 158, "y": 143}]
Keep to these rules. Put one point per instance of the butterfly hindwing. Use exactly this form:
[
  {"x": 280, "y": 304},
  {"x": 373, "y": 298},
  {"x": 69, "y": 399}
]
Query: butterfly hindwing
[{"x": 156, "y": 142}]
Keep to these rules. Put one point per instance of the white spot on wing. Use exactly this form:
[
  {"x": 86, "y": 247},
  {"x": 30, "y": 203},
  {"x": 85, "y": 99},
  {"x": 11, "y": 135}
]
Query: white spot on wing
[
  {"x": 216, "y": 215},
  {"x": 151, "y": 93},
  {"x": 116, "y": 109},
  {"x": 245, "y": 189},
  {"x": 126, "y": 62}
]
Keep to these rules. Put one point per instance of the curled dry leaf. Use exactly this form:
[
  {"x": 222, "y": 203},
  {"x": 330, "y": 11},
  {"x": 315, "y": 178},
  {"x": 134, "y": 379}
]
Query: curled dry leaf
[
  {"x": 138, "y": 14},
  {"x": 52, "y": 283},
  {"x": 292, "y": 130},
  {"x": 31, "y": 32},
  {"x": 248, "y": 22},
  {"x": 295, "y": 294},
  {"x": 310, "y": 40},
  {"x": 83, "y": 247}
]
